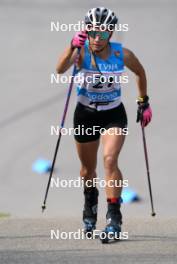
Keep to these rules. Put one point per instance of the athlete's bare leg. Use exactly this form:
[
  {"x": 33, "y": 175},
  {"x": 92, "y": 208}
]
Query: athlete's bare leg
[
  {"x": 112, "y": 145},
  {"x": 88, "y": 156}
]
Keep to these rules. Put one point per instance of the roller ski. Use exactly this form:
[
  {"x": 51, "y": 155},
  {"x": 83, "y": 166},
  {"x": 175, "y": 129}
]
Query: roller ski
[
  {"x": 90, "y": 211},
  {"x": 112, "y": 230}
]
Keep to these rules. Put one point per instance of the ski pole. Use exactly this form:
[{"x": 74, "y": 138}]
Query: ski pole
[
  {"x": 61, "y": 126},
  {"x": 148, "y": 172}
]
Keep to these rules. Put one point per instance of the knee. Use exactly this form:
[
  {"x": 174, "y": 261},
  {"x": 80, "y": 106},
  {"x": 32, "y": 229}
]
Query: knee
[
  {"x": 110, "y": 162},
  {"x": 86, "y": 172}
]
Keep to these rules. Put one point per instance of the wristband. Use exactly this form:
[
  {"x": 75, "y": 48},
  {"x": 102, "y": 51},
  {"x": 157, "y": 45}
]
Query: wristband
[{"x": 142, "y": 99}]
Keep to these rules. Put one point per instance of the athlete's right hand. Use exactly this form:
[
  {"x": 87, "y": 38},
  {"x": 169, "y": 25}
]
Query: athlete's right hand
[{"x": 79, "y": 39}]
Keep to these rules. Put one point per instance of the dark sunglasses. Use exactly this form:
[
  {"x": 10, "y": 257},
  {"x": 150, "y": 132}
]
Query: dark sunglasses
[{"x": 102, "y": 34}]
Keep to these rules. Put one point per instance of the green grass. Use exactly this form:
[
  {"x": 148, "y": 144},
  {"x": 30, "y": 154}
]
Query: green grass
[{"x": 4, "y": 215}]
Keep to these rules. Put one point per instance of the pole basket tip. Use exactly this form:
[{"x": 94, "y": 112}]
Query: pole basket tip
[
  {"x": 153, "y": 214},
  {"x": 43, "y": 208}
]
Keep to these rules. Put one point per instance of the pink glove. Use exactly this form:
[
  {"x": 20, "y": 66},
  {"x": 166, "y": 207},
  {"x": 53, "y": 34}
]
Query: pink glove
[
  {"x": 144, "y": 112},
  {"x": 146, "y": 117},
  {"x": 79, "y": 39}
]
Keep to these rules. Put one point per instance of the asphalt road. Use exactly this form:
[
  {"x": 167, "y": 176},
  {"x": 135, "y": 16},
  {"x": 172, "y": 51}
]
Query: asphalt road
[
  {"x": 30, "y": 104},
  {"x": 29, "y": 241}
]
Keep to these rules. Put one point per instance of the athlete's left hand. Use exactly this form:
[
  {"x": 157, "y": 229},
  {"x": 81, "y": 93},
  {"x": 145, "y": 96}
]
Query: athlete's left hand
[{"x": 144, "y": 112}]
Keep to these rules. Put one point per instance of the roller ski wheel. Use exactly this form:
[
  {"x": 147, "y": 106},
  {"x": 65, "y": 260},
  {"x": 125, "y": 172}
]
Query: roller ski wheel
[{"x": 111, "y": 233}]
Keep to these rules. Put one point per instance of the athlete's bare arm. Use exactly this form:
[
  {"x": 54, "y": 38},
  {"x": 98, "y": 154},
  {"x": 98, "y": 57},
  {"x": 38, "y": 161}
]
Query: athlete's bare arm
[
  {"x": 66, "y": 60},
  {"x": 132, "y": 62}
]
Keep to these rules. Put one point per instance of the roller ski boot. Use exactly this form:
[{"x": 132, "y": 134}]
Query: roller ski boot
[
  {"x": 90, "y": 210},
  {"x": 112, "y": 230}
]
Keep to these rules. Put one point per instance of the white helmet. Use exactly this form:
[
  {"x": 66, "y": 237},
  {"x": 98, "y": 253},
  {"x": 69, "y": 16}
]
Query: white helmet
[{"x": 101, "y": 16}]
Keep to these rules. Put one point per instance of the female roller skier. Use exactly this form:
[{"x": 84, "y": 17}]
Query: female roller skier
[{"x": 99, "y": 105}]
